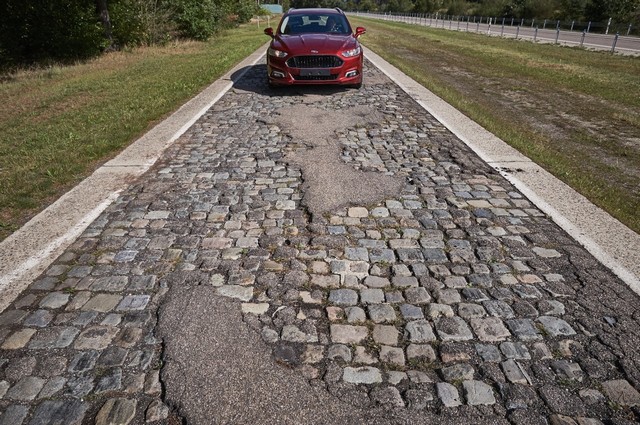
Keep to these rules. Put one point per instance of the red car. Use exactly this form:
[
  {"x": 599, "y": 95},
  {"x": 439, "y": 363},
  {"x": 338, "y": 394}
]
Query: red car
[{"x": 314, "y": 46}]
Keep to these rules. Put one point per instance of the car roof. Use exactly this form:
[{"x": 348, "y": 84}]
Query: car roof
[{"x": 314, "y": 10}]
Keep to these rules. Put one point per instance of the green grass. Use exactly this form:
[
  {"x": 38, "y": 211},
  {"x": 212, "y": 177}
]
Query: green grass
[
  {"x": 58, "y": 124},
  {"x": 574, "y": 112}
]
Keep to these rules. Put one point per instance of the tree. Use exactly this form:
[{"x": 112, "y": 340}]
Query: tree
[
  {"x": 49, "y": 30},
  {"x": 103, "y": 15}
]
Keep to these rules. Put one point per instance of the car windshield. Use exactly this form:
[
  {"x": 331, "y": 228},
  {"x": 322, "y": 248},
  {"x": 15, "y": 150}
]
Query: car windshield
[{"x": 315, "y": 23}]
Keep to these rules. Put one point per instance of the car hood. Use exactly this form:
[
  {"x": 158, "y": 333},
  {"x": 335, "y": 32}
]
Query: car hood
[{"x": 321, "y": 43}]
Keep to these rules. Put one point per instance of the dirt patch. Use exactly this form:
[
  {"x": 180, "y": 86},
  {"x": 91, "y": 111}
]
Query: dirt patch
[{"x": 329, "y": 182}]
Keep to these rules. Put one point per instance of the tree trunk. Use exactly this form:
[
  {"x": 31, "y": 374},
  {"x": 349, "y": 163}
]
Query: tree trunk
[{"x": 103, "y": 15}]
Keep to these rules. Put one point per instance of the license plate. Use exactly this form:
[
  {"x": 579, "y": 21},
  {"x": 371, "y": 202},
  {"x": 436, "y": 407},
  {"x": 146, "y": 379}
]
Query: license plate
[{"x": 310, "y": 72}]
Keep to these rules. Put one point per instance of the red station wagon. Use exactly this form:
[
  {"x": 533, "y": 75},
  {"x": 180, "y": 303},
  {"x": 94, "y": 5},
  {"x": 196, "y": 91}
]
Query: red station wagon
[{"x": 314, "y": 46}]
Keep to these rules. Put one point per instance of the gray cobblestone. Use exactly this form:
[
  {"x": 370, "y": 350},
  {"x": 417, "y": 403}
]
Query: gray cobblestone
[{"x": 455, "y": 243}]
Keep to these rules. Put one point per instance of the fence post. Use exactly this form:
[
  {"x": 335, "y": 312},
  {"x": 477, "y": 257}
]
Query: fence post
[
  {"x": 615, "y": 40},
  {"x": 535, "y": 34},
  {"x": 629, "y": 29},
  {"x": 458, "y": 24},
  {"x": 588, "y": 26},
  {"x": 478, "y": 27},
  {"x": 557, "y": 34},
  {"x": 584, "y": 33},
  {"x": 572, "y": 23},
  {"x": 608, "y": 25},
  {"x": 544, "y": 24},
  {"x": 467, "y": 24},
  {"x": 532, "y": 21},
  {"x": 517, "y": 31},
  {"x": 511, "y": 21}
]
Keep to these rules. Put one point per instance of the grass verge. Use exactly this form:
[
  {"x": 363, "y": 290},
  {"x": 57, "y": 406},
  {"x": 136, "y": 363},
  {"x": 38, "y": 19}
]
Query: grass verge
[
  {"x": 574, "y": 112},
  {"x": 59, "y": 124}
]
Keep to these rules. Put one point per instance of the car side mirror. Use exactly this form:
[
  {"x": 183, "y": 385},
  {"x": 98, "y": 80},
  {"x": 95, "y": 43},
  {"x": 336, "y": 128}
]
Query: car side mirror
[
  {"x": 360, "y": 31},
  {"x": 269, "y": 32}
]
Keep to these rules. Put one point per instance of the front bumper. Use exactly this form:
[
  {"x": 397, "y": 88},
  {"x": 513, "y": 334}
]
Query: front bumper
[{"x": 349, "y": 73}]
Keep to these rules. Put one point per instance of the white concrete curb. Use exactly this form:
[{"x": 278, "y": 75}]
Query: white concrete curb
[
  {"x": 612, "y": 243},
  {"x": 30, "y": 250}
]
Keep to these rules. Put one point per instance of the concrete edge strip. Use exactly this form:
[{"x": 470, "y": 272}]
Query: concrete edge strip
[
  {"x": 32, "y": 248},
  {"x": 490, "y": 146}
]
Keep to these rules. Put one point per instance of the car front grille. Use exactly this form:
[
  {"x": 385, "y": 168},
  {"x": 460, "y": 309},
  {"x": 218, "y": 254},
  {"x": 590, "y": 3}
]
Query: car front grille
[
  {"x": 314, "y": 62},
  {"x": 315, "y": 77}
]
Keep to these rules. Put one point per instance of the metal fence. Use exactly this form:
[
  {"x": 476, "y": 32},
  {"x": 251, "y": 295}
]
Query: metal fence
[{"x": 587, "y": 35}]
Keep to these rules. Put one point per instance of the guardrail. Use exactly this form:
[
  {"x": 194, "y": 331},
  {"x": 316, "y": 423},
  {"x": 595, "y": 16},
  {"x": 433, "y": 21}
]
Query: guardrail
[{"x": 507, "y": 27}]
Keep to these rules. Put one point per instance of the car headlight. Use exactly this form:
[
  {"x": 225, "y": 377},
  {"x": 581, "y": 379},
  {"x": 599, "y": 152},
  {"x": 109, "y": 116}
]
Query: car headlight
[
  {"x": 351, "y": 53},
  {"x": 277, "y": 53}
]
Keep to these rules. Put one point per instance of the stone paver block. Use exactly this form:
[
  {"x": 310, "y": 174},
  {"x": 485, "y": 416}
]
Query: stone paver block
[
  {"x": 621, "y": 392},
  {"x": 411, "y": 312},
  {"x": 54, "y": 337},
  {"x": 381, "y": 313},
  {"x": 490, "y": 329},
  {"x": 387, "y": 396},
  {"x": 392, "y": 355},
  {"x": 371, "y": 296},
  {"x": 417, "y": 296},
  {"x": 448, "y": 394},
  {"x": 54, "y": 300},
  {"x": 133, "y": 302},
  {"x": 293, "y": 334},
  {"x": 116, "y": 411},
  {"x": 102, "y": 303},
  {"x": 524, "y": 329},
  {"x": 385, "y": 334},
  {"x": 422, "y": 352},
  {"x": 343, "y": 297},
  {"x": 242, "y": 293},
  {"x": 14, "y": 414},
  {"x": 110, "y": 283},
  {"x": 26, "y": 389},
  {"x": 358, "y": 212},
  {"x": 555, "y": 326},
  {"x": 19, "y": 339},
  {"x": 347, "y": 334},
  {"x": 255, "y": 308},
  {"x": 515, "y": 373},
  {"x": 362, "y": 375},
  {"x": 95, "y": 338},
  {"x": 478, "y": 393},
  {"x": 453, "y": 329},
  {"x": 419, "y": 331},
  {"x": 458, "y": 372}
]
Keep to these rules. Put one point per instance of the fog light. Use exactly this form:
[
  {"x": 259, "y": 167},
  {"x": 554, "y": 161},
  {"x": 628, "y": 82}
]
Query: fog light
[
  {"x": 351, "y": 74},
  {"x": 277, "y": 74}
]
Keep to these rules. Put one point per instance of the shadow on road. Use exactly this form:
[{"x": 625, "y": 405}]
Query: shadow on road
[{"x": 255, "y": 81}]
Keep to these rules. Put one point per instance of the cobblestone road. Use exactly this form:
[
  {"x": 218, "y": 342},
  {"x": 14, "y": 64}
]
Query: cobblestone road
[{"x": 452, "y": 296}]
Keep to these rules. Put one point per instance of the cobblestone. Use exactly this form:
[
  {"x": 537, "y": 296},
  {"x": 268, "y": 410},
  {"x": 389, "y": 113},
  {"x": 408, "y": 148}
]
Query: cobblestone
[{"x": 453, "y": 293}]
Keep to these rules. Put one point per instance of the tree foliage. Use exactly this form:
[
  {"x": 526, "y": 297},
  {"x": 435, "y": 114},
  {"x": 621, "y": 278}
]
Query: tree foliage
[
  {"x": 621, "y": 11},
  {"x": 59, "y": 30}
]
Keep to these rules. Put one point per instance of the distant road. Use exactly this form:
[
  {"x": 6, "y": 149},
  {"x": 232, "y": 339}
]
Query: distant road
[{"x": 624, "y": 44}]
